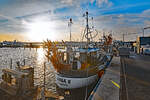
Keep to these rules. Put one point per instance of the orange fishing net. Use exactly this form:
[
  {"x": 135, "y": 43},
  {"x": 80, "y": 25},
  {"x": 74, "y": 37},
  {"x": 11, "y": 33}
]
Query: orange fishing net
[
  {"x": 108, "y": 40},
  {"x": 54, "y": 56}
]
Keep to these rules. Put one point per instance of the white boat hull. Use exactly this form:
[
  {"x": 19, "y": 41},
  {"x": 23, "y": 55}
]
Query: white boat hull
[{"x": 71, "y": 83}]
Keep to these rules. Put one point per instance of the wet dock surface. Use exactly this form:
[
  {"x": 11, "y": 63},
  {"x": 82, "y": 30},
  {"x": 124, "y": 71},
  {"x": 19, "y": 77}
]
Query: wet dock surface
[{"x": 135, "y": 78}]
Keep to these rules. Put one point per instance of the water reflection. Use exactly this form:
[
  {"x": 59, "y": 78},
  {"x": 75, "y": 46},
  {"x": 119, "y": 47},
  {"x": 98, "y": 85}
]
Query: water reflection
[
  {"x": 40, "y": 55},
  {"x": 34, "y": 58}
]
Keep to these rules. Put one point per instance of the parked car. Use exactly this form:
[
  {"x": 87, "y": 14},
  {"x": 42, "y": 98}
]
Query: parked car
[{"x": 146, "y": 51}]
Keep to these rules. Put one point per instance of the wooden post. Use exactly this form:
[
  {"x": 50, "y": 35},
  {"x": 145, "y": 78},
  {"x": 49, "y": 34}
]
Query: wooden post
[
  {"x": 44, "y": 74},
  {"x": 24, "y": 62},
  {"x": 10, "y": 63}
]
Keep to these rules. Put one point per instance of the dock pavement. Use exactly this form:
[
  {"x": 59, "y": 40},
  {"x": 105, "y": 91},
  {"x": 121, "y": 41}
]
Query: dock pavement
[
  {"x": 136, "y": 72},
  {"x": 108, "y": 87}
]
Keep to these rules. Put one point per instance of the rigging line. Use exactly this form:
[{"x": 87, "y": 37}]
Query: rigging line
[
  {"x": 83, "y": 34},
  {"x": 91, "y": 35}
]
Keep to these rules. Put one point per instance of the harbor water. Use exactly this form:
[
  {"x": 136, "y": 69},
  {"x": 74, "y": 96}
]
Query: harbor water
[
  {"x": 36, "y": 58},
  {"x": 31, "y": 57}
]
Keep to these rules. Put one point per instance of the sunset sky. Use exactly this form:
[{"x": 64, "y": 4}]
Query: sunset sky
[{"x": 37, "y": 20}]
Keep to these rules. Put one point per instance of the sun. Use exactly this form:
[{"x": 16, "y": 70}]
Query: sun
[{"x": 41, "y": 30}]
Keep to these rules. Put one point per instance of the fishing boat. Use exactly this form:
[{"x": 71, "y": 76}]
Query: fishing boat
[{"x": 78, "y": 66}]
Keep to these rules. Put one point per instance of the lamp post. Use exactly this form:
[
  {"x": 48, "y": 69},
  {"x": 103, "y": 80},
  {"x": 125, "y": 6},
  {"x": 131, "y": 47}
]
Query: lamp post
[
  {"x": 145, "y": 29},
  {"x": 123, "y": 37},
  {"x": 143, "y": 32}
]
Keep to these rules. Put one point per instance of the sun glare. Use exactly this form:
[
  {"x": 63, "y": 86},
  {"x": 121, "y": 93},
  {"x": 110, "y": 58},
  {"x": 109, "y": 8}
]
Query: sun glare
[
  {"x": 40, "y": 55},
  {"x": 41, "y": 30}
]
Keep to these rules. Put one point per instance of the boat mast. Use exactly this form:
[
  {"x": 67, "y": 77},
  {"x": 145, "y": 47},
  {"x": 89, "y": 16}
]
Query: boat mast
[
  {"x": 87, "y": 29},
  {"x": 88, "y": 41},
  {"x": 69, "y": 24},
  {"x": 87, "y": 32}
]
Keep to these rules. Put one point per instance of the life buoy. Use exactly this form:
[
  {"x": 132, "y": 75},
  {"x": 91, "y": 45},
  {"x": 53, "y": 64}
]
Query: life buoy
[{"x": 100, "y": 73}]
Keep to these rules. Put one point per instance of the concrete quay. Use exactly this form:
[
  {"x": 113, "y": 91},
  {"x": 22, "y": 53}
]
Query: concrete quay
[{"x": 108, "y": 86}]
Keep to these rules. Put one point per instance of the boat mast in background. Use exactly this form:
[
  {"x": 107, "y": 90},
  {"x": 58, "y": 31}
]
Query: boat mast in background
[{"x": 69, "y": 25}]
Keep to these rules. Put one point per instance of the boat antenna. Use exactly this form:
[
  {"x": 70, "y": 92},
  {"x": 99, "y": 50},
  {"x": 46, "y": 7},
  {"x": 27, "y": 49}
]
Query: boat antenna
[
  {"x": 92, "y": 23},
  {"x": 69, "y": 25}
]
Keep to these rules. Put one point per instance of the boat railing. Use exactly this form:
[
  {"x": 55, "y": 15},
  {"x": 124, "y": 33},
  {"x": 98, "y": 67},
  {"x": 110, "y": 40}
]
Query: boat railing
[{"x": 91, "y": 70}]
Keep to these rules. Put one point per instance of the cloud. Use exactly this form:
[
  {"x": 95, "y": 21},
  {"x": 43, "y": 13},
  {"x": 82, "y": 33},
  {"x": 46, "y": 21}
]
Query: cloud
[
  {"x": 115, "y": 9},
  {"x": 124, "y": 23},
  {"x": 13, "y": 16},
  {"x": 69, "y": 2},
  {"x": 8, "y": 18},
  {"x": 102, "y": 3}
]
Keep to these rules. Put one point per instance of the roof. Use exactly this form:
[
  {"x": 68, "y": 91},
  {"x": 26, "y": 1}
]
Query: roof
[{"x": 88, "y": 50}]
